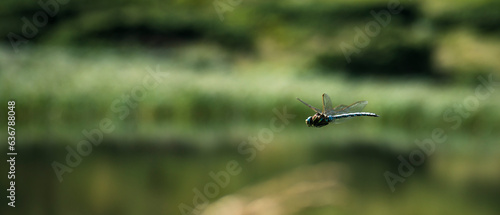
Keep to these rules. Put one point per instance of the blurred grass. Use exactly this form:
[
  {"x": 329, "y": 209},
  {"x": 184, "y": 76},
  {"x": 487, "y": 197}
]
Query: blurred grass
[{"x": 75, "y": 90}]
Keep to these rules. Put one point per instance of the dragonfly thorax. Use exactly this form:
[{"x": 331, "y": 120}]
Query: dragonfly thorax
[{"x": 318, "y": 120}]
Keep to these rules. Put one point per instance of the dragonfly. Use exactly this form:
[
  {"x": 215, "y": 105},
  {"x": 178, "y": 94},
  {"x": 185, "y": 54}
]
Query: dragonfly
[{"x": 336, "y": 114}]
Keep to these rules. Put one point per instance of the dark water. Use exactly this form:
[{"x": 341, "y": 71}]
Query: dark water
[{"x": 155, "y": 178}]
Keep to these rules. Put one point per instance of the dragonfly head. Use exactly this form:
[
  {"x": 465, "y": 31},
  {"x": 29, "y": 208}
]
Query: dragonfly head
[{"x": 309, "y": 121}]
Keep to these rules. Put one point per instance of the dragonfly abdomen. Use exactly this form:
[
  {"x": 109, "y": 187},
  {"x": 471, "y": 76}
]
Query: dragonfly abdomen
[{"x": 347, "y": 115}]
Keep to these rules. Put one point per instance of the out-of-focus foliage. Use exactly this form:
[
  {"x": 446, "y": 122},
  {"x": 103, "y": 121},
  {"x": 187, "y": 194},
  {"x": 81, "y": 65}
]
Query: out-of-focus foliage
[
  {"x": 418, "y": 41},
  {"x": 223, "y": 82}
]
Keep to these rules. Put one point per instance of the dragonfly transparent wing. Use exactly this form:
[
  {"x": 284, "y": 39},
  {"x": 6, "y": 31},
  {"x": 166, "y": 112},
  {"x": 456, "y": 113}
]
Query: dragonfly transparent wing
[
  {"x": 336, "y": 110},
  {"x": 354, "y": 107},
  {"x": 327, "y": 103},
  {"x": 310, "y": 106}
]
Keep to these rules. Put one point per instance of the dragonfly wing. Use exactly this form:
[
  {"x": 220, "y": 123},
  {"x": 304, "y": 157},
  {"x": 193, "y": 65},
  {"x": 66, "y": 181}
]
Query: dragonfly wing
[
  {"x": 354, "y": 107},
  {"x": 327, "y": 103},
  {"x": 336, "y": 110},
  {"x": 310, "y": 106},
  {"x": 338, "y": 121}
]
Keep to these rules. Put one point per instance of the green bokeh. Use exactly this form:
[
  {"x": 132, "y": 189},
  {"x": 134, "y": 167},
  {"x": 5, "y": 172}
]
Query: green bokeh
[{"x": 221, "y": 83}]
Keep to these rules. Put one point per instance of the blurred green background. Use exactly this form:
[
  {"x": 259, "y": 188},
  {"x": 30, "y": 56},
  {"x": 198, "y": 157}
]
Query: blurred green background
[{"x": 220, "y": 82}]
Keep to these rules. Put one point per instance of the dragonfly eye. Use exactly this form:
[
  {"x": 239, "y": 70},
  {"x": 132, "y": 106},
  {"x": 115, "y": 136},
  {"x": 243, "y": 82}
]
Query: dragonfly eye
[{"x": 308, "y": 121}]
